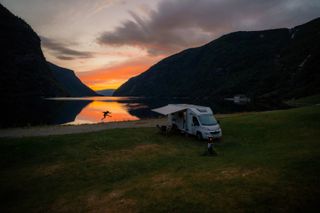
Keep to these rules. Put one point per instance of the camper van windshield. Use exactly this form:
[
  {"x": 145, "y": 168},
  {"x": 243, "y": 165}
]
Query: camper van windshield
[{"x": 207, "y": 120}]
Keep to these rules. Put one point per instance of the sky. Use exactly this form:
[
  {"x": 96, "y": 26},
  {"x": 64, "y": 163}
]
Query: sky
[{"x": 106, "y": 42}]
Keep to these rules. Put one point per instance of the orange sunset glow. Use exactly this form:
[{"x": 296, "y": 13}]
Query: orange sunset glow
[{"x": 113, "y": 77}]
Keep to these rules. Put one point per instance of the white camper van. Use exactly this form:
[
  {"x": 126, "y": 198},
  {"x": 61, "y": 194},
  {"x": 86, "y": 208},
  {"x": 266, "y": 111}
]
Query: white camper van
[{"x": 192, "y": 119}]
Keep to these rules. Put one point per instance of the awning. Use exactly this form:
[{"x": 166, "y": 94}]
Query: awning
[{"x": 169, "y": 109}]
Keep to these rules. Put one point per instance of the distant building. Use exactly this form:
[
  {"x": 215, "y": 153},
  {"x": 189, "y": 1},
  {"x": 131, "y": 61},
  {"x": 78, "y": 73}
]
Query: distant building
[{"x": 239, "y": 99}]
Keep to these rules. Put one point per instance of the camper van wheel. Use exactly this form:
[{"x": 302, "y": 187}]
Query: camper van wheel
[{"x": 199, "y": 136}]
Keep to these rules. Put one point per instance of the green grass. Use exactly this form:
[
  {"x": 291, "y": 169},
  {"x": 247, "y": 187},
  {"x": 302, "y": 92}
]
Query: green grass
[
  {"x": 306, "y": 101},
  {"x": 267, "y": 162}
]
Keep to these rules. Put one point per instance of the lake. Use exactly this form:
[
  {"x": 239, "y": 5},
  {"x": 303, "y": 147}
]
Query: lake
[
  {"x": 88, "y": 110},
  {"x": 92, "y": 108}
]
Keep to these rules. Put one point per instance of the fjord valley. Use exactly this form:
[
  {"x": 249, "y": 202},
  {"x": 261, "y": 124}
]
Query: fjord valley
[
  {"x": 269, "y": 66},
  {"x": 159, "y": 106}
]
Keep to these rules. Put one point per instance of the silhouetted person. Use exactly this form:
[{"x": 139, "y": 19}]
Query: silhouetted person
[
  {"x": 210, "y": 147},
  {"x": 211, "y": 151},
  {"x": 106, "y": 114}
]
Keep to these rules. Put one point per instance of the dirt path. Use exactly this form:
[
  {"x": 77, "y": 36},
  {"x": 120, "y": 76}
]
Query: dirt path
[{"x": 73, "y": 129}]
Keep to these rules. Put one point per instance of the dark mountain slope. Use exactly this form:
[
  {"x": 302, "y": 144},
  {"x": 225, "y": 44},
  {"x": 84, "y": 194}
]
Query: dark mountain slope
[
  {"x": 23, "y": 69},
  {"x": 258, "y": 63},
  {"x": 299, "y": 65},
  {"x": 71, "y": 83}
]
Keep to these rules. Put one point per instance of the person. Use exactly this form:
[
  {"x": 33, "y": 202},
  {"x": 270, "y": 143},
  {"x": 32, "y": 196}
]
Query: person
[
  {"x": 210, "y": 147},
  {"x": 106, "y": 114}
]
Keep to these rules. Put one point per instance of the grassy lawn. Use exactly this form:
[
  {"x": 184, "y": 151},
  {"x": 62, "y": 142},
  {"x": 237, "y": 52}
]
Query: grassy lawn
[
  {"x": 306, "y": 101},
  {"x": 267, "y": 162}
]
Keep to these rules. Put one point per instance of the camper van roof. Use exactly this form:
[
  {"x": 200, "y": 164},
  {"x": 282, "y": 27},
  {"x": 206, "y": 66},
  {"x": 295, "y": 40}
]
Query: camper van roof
[{"x": 172, "y": 108}]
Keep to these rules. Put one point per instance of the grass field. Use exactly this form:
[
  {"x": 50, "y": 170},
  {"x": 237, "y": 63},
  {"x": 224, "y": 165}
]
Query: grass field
[
  {"x": 267, "y": 162},
  {"x": 306, "y": 101}
]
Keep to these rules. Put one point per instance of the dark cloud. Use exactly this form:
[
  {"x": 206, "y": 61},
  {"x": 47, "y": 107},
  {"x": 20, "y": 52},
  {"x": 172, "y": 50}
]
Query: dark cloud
[
  {"x": 62, "y": 51},
  {"x": 65, "y": 57},
  {"x": 176, "y": 24}
]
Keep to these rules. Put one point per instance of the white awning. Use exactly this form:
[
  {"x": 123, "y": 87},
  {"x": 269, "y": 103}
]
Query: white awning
[{"x": 169, "y": 109}]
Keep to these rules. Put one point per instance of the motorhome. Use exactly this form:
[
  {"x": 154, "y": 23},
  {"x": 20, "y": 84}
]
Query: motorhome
[{"x": 192, "y": 119}]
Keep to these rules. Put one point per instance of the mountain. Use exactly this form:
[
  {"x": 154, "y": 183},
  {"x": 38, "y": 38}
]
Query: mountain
[
  {"x": 71, "y": 83},
  {"x": 23, "y": 69},
  {"x": 278, "y": 63},
  {"x": 106, "y": 92}
]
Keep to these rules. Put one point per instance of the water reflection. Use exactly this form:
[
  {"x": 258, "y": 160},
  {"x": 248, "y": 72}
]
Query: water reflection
[
  {"x": 92, "y": 113},
  {"x": 86, "y": 110},
  {"x": 36, "y": 111},
  {"x": 119, "y": 107}
]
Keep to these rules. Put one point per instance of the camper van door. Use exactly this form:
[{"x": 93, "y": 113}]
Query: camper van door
[
  {"x": 189, "y": 122},
  {"x": 195, "y": 124}
]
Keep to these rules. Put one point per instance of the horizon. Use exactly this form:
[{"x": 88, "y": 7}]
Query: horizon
[{"x": 106, "y": 42}]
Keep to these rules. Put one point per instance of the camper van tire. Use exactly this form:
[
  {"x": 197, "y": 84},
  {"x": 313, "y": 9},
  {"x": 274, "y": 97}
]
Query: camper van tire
[{"x": 199, "y": 136}]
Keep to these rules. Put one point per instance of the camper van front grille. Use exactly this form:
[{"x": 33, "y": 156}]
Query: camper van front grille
[{"x": 215, "y": 132}]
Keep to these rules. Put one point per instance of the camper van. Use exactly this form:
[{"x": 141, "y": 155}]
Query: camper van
[{"x": 192, "y": 119}]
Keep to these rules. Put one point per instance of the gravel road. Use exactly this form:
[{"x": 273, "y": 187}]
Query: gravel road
[{"x": 74, "y": 129}]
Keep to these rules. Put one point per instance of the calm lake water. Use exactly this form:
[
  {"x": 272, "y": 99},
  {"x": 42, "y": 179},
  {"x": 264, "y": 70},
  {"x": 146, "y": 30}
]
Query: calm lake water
[{"x": 88, "y": 110}]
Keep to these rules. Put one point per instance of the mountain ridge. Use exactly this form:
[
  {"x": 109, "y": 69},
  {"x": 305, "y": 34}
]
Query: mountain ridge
[
  {"x": 24, "y": 71},
  {"x": 105, "y": 92},
  {"x": 257, "y": 63},
  {"x": 71, "y": 83}
]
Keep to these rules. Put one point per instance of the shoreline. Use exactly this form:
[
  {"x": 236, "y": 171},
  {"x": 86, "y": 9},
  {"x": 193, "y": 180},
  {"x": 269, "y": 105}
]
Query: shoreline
[
  {"x": 51, "y": 130},
  {"x": 65, "y": 129},
  {"x": 38, "y": 131}
]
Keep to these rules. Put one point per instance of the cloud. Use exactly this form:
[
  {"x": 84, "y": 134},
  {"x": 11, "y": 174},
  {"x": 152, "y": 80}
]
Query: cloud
[
  {"x": 61, "y": 50},
  {"x": 176, "y": 25}
]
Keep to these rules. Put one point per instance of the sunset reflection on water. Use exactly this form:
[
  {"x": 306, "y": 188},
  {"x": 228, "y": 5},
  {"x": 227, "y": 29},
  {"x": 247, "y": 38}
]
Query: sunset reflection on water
[{"x": 93, "y": 112}]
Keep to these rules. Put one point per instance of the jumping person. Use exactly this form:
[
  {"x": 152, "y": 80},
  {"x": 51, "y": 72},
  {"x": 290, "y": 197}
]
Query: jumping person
[{"x": 106, "y": 114}]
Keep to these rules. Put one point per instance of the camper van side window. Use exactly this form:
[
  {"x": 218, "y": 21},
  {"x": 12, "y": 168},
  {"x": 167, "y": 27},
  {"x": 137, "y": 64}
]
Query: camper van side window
[{"x": 195, "y": 121}]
